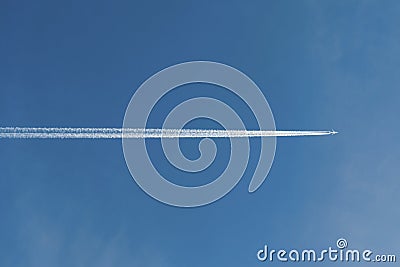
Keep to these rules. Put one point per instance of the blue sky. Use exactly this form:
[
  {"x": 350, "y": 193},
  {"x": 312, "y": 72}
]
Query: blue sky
[{"x": 320, "y": 64}]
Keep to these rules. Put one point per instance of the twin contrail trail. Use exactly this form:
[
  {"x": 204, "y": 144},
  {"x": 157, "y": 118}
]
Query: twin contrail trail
[{"x": 115, "y": 133}]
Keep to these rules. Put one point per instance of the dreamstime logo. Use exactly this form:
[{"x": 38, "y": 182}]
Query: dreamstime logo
[
  {"x": 341, "y": 243},
  {"x": 340, "y": 253},
  {"x": 152, "y": 90}
]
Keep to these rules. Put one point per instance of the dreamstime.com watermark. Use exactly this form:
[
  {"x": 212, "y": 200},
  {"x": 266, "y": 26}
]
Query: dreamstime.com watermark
[{"x": 340, "y": 253}]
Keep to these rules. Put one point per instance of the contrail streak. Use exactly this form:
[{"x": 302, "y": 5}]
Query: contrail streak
[{"x": 115, "y": 133}]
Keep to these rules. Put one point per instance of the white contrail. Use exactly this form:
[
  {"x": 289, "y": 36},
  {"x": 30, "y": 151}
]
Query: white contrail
[{"x": 112, "y": 133}]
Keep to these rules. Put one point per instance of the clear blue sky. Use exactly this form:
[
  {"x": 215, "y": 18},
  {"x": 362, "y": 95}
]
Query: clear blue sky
[{"x": 320, "y": 64}]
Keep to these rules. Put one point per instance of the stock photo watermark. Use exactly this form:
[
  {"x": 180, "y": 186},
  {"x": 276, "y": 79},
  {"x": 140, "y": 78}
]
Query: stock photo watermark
[{"x": 338, "y": 253}]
